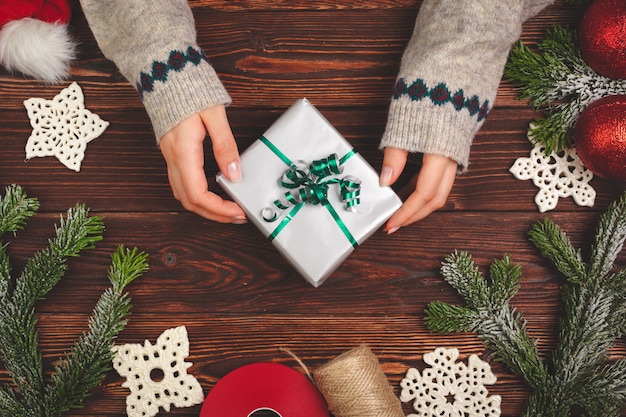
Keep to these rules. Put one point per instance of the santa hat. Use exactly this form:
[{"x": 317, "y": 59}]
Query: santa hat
[{"x": 34, "y": 39}]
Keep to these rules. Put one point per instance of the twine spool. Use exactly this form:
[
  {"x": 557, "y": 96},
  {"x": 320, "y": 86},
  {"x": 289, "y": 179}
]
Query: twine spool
[{"x": 354, "y": 385}]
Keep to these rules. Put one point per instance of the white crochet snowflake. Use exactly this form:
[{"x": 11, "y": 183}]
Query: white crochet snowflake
[
  {"x": 450, "y": 389},
  {"x": 560, "y": 174},
  {"x": 157, "y": 375},
  {"x": 62, "y": 127}
]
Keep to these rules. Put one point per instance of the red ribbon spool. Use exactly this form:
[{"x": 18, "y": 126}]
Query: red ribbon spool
[{"x": 264, "y": 386}]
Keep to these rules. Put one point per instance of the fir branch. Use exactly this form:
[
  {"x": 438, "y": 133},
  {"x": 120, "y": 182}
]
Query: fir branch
[
  {"x": 594, "y": 314},
  {"x": 9, "y": 404},
  {"x": 610, "y": 236},
  {"x": 522, "y": 69},
  {"x": 126, "y": 266},
  {"x": 15, "y": 209},
  {"x": 545, "y": 77},
  {"x": 551, "y": 74},
  {"x": 90, "y": 358},
  {"x": 586, "y": 333},
  {"x": 18, "y": 348},
  {"x": 442, "y": 317},
  {"x": 6, "y": 281},
  {"x": 504, "y": 332},
  {"x": 505, "y": 280},
  {"x": 554, "y": 245},
  {"x": 604, "y": 393},
  {"x": 617, "y": 284},
  {"x": 553, "y": 131},
  {"x": 460, "y": 271},
  {"x": 594, "y": 302},
  {"x": 549, "y": 402},
  {"x": 77, "y": 231},
  {"x": 19, "y": 337},
  {"x": 497, "y": 324},
  {"x": 91, "y": 355}
]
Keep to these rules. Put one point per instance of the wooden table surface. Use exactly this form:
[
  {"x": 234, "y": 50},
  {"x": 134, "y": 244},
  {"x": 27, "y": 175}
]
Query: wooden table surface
[{"x": 238, "y": 298}]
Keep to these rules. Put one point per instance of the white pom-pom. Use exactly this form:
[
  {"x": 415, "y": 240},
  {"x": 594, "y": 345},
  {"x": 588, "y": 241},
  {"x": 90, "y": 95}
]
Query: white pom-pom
[{"x": 37, "y": 49}]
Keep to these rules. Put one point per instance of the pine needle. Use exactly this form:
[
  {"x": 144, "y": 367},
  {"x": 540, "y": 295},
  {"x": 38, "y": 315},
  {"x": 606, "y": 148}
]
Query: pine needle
[
  {"x": 610, "y": 236},
  {"x": 505, "y": 280},
  {"x": 556, "y": 246},
  {"x": 15, "y": 209},
  {"x": 446, "y": 318},
  {"x": 77, "y": 231}
]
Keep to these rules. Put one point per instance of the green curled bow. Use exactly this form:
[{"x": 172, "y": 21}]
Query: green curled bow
[{"x": 309, "y": 184}]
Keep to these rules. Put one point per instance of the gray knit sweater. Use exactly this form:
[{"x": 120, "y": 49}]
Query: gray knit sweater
[
  {"x": 450, "y": 72},
  {"x": 446, "y": 85},
  {"x": 153, "y": 43}
]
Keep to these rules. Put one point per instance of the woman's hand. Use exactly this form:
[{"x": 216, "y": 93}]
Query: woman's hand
[
  {"x": 432, "y": 187},
  {"x": 182, "y": 148}
]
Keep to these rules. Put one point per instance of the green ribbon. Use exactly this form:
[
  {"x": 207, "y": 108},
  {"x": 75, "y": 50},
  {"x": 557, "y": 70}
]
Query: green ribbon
[{"x": 309, "y": 183}]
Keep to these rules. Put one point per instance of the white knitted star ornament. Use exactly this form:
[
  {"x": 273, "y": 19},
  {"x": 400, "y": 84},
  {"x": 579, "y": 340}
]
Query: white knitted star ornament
[{"x": 62, "y": 127}]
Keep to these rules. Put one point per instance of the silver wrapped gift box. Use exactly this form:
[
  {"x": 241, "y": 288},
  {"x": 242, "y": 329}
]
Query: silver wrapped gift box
[{"x": 316, "y": 237}]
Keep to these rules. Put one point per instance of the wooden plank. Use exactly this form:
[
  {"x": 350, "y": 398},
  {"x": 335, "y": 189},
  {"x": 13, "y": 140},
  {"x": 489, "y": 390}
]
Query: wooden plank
[
  {"x": 286, "y": 5},
  {"x": 200, "y": 267}
]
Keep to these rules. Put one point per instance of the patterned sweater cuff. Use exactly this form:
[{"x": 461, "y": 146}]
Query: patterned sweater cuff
[
  {"x": 179, "y": 88},
  {"x": 423, "y": 127}
]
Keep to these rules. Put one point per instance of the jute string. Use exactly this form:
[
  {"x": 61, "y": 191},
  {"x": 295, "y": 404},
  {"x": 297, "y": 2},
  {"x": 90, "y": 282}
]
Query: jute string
[{"x": 354, "y": 385}]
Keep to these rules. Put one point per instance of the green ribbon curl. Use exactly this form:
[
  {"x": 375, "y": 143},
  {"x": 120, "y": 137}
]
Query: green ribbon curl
[{"x": 309, "y": 184}]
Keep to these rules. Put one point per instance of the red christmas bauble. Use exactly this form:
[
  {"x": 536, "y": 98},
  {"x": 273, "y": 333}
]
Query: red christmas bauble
[
  {"x": 602, "y": 37},
  {"x": 600, "y": 137}
]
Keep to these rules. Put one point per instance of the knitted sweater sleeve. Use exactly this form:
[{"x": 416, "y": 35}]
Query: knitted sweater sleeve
[
  {"x": 153, "y": 43},
  {"x": 450, "y": 72}
]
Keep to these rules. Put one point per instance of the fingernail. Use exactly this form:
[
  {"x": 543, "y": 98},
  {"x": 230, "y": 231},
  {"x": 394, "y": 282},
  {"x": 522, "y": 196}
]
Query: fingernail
[
  {"x": 240, "y": 220},
  {"x": 234, "y": 171},
  {"x": 385, "y": 176},
  {"x": 393, "y": 230}
]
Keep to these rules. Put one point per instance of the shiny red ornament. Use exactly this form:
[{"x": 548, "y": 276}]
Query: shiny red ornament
[
  {"x": 600, "y": 137},
  {"x": 602, "y": 37}
]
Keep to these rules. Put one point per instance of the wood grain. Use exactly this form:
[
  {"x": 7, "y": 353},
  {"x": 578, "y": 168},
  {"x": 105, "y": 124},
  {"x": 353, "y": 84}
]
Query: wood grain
[{"x": 239, "y": 299}]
